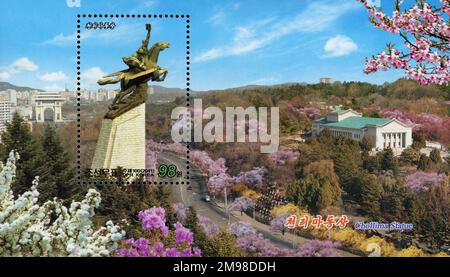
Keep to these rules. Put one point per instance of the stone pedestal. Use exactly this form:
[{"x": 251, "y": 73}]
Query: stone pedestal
[{"x": 121, "y": 141}]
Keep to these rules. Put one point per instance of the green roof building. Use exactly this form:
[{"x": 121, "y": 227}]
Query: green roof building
[{"x": 384, "y": 132}]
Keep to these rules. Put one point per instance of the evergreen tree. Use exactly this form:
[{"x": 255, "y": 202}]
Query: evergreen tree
[
  {"x": 413, "y": 208},
  {"x": 434, "y": 226},
  {"x": 410, "y": 156},
  {"x": 389, "y": 162},
  {"x": 367, "y": 143},
  {"x": 435, "y": 156},
  {"x": 371, "y": 163},
  {"x": 61, "y": 181},
  {"x": 370, "y": 196},
  {"x": 318, "y": 190},
  {"x": 418, "y": 141},
  {"x": 191, "y": 222},
  {"x": 347, "y": 161},
  {"x": 18, "y": 137},
  {"x": 424, "y": 163},
  {"x": 222, "y": 245}
]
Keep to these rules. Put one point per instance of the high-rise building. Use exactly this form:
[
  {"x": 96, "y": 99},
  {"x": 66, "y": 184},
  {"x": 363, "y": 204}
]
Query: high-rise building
[
  {"x": 10, "y": 95},
  {"x": 5, "y": 113}
]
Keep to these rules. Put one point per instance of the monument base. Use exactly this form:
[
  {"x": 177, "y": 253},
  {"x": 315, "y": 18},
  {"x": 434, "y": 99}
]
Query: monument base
[{"x": 121, "y": 142}]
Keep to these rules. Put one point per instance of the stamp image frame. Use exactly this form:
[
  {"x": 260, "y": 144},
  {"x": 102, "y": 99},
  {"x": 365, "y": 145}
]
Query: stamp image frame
[{"x": 184, "y": 19}]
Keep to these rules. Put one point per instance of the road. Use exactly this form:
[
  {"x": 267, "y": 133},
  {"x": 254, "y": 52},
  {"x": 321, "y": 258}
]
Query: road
[{"x": 194, "y": 196}]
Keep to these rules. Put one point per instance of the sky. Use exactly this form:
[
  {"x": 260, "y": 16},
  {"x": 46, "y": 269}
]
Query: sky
[{"x": 233, "y": 43}]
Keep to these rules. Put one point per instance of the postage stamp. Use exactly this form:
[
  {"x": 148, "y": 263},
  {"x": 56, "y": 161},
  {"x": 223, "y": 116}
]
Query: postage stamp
[{"x": 126, "y": 64}]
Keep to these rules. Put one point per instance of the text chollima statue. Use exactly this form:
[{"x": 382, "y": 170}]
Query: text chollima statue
[{"x": 121, "y": 142}]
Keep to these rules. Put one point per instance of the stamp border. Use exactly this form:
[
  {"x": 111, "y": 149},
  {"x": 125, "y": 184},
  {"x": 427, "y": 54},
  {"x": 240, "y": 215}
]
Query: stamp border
[{"x": 187, "y": 20}]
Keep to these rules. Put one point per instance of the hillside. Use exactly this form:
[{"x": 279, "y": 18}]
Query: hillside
[{"x": 6, "y": 85}]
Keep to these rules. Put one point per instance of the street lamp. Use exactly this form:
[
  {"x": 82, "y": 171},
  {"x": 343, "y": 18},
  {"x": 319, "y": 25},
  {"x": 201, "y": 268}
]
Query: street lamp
[{"x": 226, "y": 204}]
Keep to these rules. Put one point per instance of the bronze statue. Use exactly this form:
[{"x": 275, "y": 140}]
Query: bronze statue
[{"x": 143, "y": 67}]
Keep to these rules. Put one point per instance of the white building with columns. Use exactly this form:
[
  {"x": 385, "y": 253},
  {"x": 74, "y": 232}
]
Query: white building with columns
[{"x": 384, "y": 132}]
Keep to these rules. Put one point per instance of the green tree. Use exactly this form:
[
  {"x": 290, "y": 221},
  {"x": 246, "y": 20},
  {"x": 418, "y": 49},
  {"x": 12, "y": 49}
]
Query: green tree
[
  {"x": 367, "y": 143},
  {"x": 413, "y": 208},
  {"x": 347, "y": 161},
  {"x": 410, "y": 156},
  {"x": 434, "y": 224},
  {"x": 326, "y": 138},
  {"x": 221, "y": 245},
  {"x": 120, "y": 202},
  {"x": 191, "y": 222},
  {"x": 435, "y": 156},
  {"x": 18, "y": 137},
  {"x": 370, "y": 195},
  {"x": 424, "y": 163},
  {"x": 371, "y": 163},
  {"x": 319, "y": 188},
  {"x": 388, "y": 161},
  {"x": 61, "y": 181},
  {"x": 418, "y": 141}
]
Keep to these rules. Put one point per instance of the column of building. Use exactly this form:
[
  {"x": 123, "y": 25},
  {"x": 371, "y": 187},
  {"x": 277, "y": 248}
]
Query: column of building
[{"x": 394, "y": 140}]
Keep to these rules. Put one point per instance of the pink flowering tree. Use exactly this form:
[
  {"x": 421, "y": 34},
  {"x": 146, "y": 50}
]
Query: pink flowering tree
[
  {"x": 180, "y": 211},
  {"x": 252, "y": 178},
  {"x": 242, "y": 204},
  {"x": 277, "y": 223},
  {"x": 157, "y": 242},
  {"x": 154, "y": 146},
  {"x": 309, "y": 111},
  {"x": 318, "y": 248},
  {"x": 176, "y": 148},
  {"x": 425, "y": 32},
  {"x": 242, "y": 228},
  {"x": 151, "y": 164},
  {"x": 217, "y": 184},
  {"x": 420, "y": 181},
  {"x": 257, "y": 245},
  {"x": 208, "y": 226},
  {"x": 281, "y": 157},
  {"x": 206, "y": 164},
  {"x": 432, "y": 126}
]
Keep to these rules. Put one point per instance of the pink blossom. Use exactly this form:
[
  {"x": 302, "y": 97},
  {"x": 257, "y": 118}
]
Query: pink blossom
[
  {"x": 241, "y": 204},
  {"x": 217, "y": 183},
  {"x": 420, "y": 181},
  {"x": 257, "y": 244},
  {"x": 210, "y": 228},
  {"x": 309, "y": 111},
  {"x": 183, "y": 234},
  {"x": 281, "y": 157},
  {"x": 425, "y": 32},
  {"x": 252, "y": 178},
  {"x": 278, "y": 222},
  {"x": 180, "y": 211},
  {"x": 319, "y": 248},
  {"x": 434, "y": 127},
  {"x": 242, "y": 228},
  {"x": 154, "y": 219}
]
